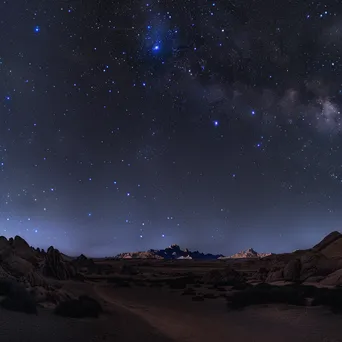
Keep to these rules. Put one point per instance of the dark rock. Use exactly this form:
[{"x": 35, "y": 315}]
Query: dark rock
[
  {"x": 275, "y": 274},
  {"x": 226, "y": 277},
  {"x": 292, "y": 270},
  {"x": 56, "y": 267},
  {"x": 316, "y": 264},
  {"x": 189, "y": 291},
  {"x": 198, "y": 299},
  {"x": 329, "y": 239},
  {"x": 128, "y": 270},
  {"x": 23, "y": 250},
  {"x": 17, "y": 298},
  {"x": 78, "y": 308}
]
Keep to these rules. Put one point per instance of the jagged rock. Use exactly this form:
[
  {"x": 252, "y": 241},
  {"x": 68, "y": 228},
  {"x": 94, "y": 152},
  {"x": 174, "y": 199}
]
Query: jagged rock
[
  {"x": 83, "y": 263},
  {"x": 3, "y": 242},
  {"x": 292, "y": 270},
  {"x": 247, "y": 254},
  {"x": 55, "y": 267},
  {"x": 16, "y": 266},
  {"x": 23, "y": 250},
  {"x": 329, "y": 239}
]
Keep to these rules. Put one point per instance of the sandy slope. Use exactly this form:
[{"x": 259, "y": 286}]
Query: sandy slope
[
  {"x": 186, "y": 321},
  {"x": 119, "y": 326}
]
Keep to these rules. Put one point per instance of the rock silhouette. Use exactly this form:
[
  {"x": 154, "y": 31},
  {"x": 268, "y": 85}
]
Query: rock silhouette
[{"x": 55, "y": 266}]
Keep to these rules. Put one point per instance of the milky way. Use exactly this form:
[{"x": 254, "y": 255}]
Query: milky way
[{"x": 134, "y": 125}]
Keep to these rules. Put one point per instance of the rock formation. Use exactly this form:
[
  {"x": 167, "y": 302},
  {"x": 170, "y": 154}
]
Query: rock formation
[
  {"x": 172, "y": 252},
  {"x": 55, "y": 267},
  {"x": 247, "y": 254}
]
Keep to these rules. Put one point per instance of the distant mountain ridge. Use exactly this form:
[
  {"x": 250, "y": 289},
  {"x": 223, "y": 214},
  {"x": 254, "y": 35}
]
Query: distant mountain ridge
[
  {"x": 172, "y": 252},
  {"x": 175, "y": 252},
  {"x": 247, "y": 254}
]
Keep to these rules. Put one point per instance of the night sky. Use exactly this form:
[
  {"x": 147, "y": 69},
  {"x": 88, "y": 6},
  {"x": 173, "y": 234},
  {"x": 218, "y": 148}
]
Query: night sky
[{"x": 130, "y": 125}]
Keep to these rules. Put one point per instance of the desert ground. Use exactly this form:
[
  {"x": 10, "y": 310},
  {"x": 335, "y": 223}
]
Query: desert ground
[{"x": 170, "y": 300}]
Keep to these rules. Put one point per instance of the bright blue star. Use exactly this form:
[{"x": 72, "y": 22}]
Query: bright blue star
[
  {"x": 37, "y": 29},
  {"x": 216, "y": 123},
  {"x": 156, "y": 48},
  {"x": 253, "y": 112},
  {"x": 89, "y": 214},
  {"x": 8, "y": 97}
]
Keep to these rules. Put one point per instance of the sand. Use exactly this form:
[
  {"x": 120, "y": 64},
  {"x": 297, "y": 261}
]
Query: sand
[
  {"x": 118, "y": 326},
  {"x": 181, "y": 319}
]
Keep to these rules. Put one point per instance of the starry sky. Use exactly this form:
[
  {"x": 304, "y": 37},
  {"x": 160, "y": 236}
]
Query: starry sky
[{"x": 131, "y": 125}]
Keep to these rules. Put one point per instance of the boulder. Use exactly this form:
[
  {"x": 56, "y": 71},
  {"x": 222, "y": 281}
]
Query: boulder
[
  {"x": 84, "y": 306},
  {"x": 36, "y": 279},
  {"x": 330, "y": 238},
  {"x": 315, "y": 279},
  {"x": 333, "y": 250},
  {"x": 55, "y": 267},
  {"x": 317, "y": 264},
  {"x": 333, "y": 279},
  {"x": 292, "y": 270},
  {"x": 16, "y": 297}
]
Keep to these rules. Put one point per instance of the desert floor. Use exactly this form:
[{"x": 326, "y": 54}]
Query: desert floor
[
  {"x": 181, "y": 319},
  {"x": 162, "y": 314}
]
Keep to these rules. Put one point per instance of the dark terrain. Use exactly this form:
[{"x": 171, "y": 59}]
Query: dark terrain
[{"x": 47, "y": 295}]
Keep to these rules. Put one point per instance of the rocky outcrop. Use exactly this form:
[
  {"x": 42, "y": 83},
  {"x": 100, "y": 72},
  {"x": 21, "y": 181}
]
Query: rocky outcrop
[
  {"x": 333, "y": 279},
  {"x": 328, "y": 240},
  {"x": 292, "y": 270},
  {"x": 316, "y": 264},
  {"x": 275, "y": 274},
  {"x": 23, "y": 250},
  {"x": 55, "y": 267},
  {"x": 172, "y": 252},
  {"x": 16, "y": 266}
]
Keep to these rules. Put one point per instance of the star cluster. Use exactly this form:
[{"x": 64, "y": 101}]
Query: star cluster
[{"x": 134, "y": 125}]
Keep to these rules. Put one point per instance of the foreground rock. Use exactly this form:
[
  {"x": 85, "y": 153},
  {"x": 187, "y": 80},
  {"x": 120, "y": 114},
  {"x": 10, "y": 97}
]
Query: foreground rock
[
  {"x": 82, "y": 307},
  {"x": 16, "y": 297}
]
